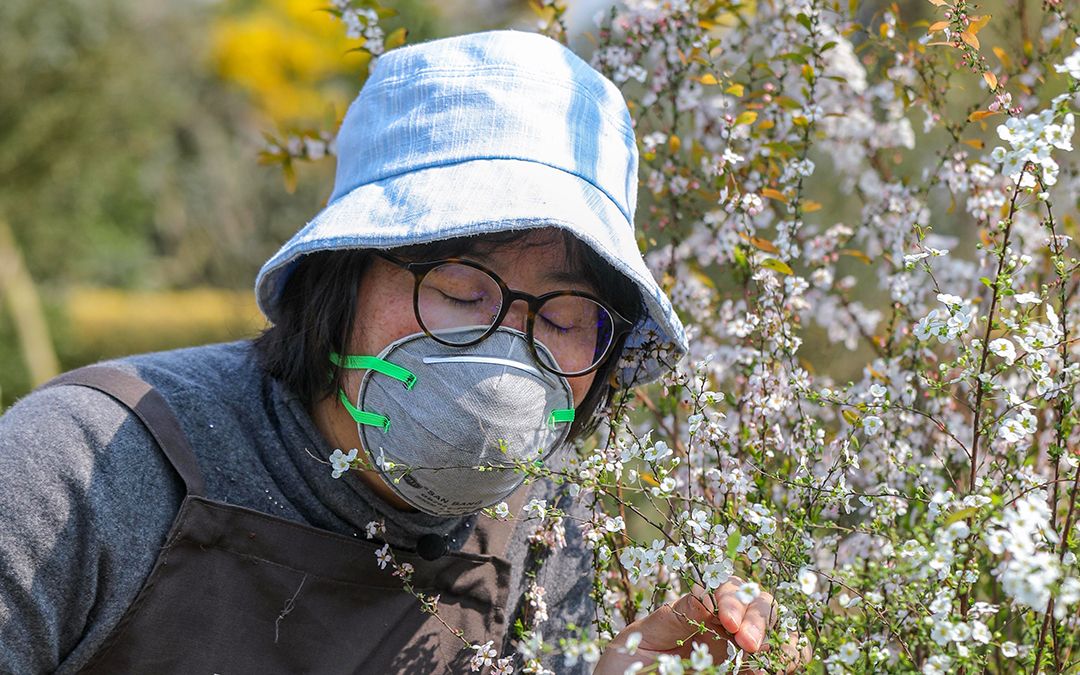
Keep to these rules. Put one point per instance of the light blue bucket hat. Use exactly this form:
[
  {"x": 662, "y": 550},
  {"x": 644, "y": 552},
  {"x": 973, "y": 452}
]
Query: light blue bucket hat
[{"x": 488, "y": 132}]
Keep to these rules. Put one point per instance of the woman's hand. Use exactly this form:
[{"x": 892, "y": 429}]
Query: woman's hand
[{"x": 660, "y": 632}]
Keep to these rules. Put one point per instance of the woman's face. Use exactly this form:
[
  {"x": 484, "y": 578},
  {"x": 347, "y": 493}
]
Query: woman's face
[{"x": 384, "y": 308}]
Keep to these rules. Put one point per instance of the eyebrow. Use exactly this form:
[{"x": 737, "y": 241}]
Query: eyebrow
[{"x": 566, "y": 277}]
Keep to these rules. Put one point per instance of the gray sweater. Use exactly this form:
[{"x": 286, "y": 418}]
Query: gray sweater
[{"x": 87, "y": 498}]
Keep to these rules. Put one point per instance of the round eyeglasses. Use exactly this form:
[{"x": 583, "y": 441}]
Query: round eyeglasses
[{"x": 451, "y": 295}]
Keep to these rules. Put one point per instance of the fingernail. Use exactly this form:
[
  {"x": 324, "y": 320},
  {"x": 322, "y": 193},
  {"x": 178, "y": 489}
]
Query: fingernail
[{"x": 753, "y": 636}]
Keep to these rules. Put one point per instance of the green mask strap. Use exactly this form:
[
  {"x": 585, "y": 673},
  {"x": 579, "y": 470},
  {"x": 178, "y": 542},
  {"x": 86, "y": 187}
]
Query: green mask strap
[
  {"x": 391, "y": 370},
  {"x": 560, "y": 416},
  {"x": 362, "y": 416}
]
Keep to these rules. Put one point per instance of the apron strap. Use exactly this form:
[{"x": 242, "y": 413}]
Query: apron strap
[
  {"x": 492, "y": 537},
  {"x": 151, "y": 408}
]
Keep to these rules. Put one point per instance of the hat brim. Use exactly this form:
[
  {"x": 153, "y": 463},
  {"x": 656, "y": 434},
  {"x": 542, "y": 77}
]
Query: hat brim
[{"x": 473, "y": 198}]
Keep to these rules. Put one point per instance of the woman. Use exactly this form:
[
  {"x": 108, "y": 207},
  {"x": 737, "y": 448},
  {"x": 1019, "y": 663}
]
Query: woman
[{"x": 470, "y": 297}]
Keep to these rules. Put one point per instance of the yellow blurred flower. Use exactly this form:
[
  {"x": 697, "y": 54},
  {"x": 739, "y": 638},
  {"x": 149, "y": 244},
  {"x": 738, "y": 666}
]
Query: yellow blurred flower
[{"x": 290, "y": 55}]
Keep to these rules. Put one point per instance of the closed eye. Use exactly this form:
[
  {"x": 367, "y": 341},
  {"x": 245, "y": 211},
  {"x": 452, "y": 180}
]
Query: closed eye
[
  {"x": 458, "y": 301},
  {"x": 553, "y": 325}
]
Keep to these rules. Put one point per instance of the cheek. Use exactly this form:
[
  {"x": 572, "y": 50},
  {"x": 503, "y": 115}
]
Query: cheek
[
  {"x": 580, "y": 387},
  {"x": 384, "y": 313}
]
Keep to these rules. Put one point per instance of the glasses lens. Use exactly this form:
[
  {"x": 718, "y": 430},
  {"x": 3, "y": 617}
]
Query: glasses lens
[
  {"x": 576, "y": 330},
  {"x": 454, "y": 298}
]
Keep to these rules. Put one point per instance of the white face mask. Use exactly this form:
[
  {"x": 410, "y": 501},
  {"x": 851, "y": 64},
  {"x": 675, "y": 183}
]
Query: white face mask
[{"x": 433, "y": 418}]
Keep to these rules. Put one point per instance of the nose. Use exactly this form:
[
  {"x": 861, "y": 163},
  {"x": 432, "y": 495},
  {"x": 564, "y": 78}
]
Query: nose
[{"x": 517, "y": 315}]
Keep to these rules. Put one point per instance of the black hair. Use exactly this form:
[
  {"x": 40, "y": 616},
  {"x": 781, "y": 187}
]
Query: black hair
[{"x": 317, "y": 311}]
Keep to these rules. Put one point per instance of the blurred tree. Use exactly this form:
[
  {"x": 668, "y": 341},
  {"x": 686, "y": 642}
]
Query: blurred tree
[
  {"x": 19, "y": 294},
  {"x": 129, "y": 134},
  {"x": 124, "y": 160}
]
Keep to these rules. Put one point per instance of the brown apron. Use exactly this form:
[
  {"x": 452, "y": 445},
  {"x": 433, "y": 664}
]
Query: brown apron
[{"x": 238, "y": 591}]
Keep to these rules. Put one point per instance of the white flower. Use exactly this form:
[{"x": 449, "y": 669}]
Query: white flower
[
  {"x": 848, "y": 652},
  {"x": 807, "y": 581},
  {"x": 658, "y": 452},
  {"x": 669, "y": 664},
  {"x": 950, "y": 300},
  {"x": 1027, "y": 298},
  {"x": 700, "y": 658},
  {"x": 871, "y": 425},
  {"x": 632, "y": 642},
  {"x": 747, "y": 592},
  {"x": 1012, "y": 430},
  {"x": 979, "y": 632},
  {"x": 341, "y": 462},
  {"x": 877, "y": 390},
  {"x": 926, "y": 326},
  {"x": 667, "y": 486},
  {"x": 913, "y": 258},
  {"x": 997, "y": 541},
  {"x": 1008, "y": 649},
  {"x": 316, "y": 149},
  {"x": 654, "y": 140},
  {"x": 941, "y": 633},
  {"x": 536, "y": 508},
  {"x": 961, "y": 632},
  {"x": 502, "y": 510},
  {"x": 937, "y": 665},
  {"x": 484, "y": 656},
  {"x": 384, "y": 556},
  {"x": 717, "y": 573},
  {"x": 1071, "y": 64},
  {"x": 535, "y": 596},
  {"x": 752, "y": 204},
  {"x": 374, "y": 528},
  {"x": 1004, "y": 348},
  {"x": 614, "y": 525},
  {"x": 847, "y": 601},
  {"x": 675, "y": 557}
]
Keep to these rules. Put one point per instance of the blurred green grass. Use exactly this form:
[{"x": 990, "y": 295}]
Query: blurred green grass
[{"x": 91, "y": 324}]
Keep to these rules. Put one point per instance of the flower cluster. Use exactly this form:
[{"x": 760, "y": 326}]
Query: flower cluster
[
  {"x": 1032, "y": 139},
  {"x": 361, "y": 23},
  {"x": 868, "y": 230}
]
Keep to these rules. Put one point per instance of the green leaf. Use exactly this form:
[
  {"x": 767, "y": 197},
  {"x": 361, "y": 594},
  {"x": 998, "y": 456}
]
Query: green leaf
[
  {"x": 962, "y": 514},
  {"x": 780, "y": 147},
  {"x": 733, "y": 543},
  {"x": 396, "y": 38},
  {"x": 746, "y": 117},
  {"x": 740, "y": 258},
  {"x": 777, "y": 266}
]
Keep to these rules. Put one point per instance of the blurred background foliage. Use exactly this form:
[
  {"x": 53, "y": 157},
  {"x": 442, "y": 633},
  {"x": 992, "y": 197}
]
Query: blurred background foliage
[{"x": 129, "y": 182}]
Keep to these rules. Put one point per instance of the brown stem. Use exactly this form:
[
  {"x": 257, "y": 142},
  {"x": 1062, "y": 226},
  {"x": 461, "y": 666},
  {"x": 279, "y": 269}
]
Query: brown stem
[{"x": 986, "y": 340}]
